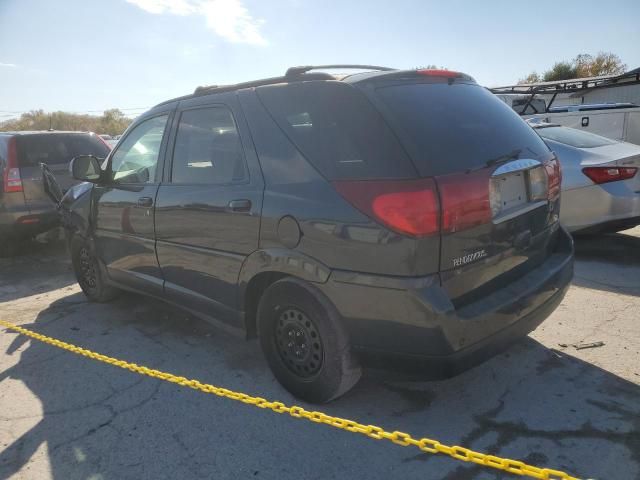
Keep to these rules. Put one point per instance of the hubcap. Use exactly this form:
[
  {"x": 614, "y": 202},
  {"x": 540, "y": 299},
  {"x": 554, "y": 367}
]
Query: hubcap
[
  {"x": 298, "y": 343},
  {"x": 88, "y": 268}
]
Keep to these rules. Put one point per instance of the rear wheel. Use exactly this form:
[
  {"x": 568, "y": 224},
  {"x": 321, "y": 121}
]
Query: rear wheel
[
  {"x": 305, "y": 343},
  {"x": 90, "y": 276}
]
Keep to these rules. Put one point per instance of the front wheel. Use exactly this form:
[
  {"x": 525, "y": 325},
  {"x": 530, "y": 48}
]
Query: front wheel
[
  {"x": 90, "y": 276},
  {"x": 305, "y": 343}
]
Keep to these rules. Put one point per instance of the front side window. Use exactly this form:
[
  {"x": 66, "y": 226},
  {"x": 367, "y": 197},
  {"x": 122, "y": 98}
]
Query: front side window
[
  {"x": 208, "y": 148},
  {"x": 136, "y": 159}
]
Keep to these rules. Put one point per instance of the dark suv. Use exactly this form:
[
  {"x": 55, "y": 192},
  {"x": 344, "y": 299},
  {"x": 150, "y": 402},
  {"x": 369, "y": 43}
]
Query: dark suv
[
  {"x": 387, "y": 218},
  {"x": 25, "y": 210}
]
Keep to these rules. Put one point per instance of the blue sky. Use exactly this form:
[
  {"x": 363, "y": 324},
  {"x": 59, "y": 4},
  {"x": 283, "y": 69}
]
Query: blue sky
[{"x": 85, "y": 55}]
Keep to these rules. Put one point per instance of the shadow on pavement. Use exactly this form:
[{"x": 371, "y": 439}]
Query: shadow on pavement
[
  {"x": 101, "y": 422},
  {"x": 38, "y": 267},
  {"x": 608, "y": 262}
]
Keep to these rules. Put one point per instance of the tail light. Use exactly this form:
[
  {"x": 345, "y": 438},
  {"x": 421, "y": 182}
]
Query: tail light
[
  {"x": 465, "y": 200},
  {"x": 538, "y": 184},
  {"x": 412, "y": 207},
  {"x": 409, "y": 207},
  {"x": 11, "y": 178},
  {"x": 609, "y": 174},
  {"x": 554, "y": 175},
  {"x": 104, "y": 142}
]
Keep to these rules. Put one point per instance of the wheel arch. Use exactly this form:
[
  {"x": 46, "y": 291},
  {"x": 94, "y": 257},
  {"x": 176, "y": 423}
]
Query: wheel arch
[{"x": 263, "y": 268}]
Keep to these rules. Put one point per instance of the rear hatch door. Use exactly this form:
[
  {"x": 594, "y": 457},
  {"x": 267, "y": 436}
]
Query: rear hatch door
[
  {"x": 498, "y": 182},
  {"x": 54, "y": 149}
]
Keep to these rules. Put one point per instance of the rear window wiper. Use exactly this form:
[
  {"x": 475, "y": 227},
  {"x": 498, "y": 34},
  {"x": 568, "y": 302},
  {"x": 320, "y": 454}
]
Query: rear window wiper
[{"x": 512, "y": 155}]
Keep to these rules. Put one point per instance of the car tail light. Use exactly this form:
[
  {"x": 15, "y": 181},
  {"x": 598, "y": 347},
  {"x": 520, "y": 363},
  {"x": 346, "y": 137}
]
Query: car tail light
[
  {"x": 465, "y": 200},
  {"x": 104, "y": 142},
  {"x": 429, "y": 72},
  {"x": 554, "y": 175},
  {"x": 409, "y": 207},
  {"x": 538, "y": 184},
  {"x": 28, "y": 220},
  {"x": 609, "y": 174},
  {"x": 11, "y": 177}
]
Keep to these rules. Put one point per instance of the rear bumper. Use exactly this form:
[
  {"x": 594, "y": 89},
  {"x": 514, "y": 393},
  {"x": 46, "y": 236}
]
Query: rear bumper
[
  {"x": 411, "y": 324},
  {"x": 20, "y": 224},
  {"x": 606, "y": 207}
]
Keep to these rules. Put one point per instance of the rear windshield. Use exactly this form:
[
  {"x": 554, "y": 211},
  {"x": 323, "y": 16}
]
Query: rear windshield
[
  {"x": 452, "y": 128},
  {"x": 573, "y": 137},
  {"x": 52, "y": 148},
  {"x": 338, "y": 130}
]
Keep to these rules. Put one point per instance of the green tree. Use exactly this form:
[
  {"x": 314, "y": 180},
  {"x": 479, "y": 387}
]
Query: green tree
[
  {"x": 560, "y": 71},
  {"x": 112, "y": 122},
  {"x": 533, "y": 77},
  {"x": 583, "y": 65}
]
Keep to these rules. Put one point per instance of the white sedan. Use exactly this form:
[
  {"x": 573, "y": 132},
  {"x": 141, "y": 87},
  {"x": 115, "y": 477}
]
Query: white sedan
[{"x": 600, "y": 180}]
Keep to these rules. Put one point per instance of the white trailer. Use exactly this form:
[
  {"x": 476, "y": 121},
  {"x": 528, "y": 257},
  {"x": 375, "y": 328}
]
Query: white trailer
[{"x": 616, "y": 121}]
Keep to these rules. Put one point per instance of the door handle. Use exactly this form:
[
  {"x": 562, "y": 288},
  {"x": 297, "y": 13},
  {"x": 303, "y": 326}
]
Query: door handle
[
  {"x": 239, "y": 206},
  {"x": 145, "y": 202}
]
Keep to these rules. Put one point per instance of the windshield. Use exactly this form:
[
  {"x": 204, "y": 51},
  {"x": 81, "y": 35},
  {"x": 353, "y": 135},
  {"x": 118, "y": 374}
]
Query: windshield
[
  {"x": 453, "y": 128},
  {"x": 573, "y": 137}
]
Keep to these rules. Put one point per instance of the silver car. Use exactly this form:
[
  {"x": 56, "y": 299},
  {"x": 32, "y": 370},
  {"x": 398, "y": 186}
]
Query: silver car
[{"x": 600, "y": 180}]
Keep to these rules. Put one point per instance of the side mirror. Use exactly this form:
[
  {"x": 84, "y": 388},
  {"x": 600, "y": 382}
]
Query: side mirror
[{"x": 86, "y": 168}]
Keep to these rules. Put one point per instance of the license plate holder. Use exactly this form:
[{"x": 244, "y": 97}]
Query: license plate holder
[{"x": 512, "y": 191}]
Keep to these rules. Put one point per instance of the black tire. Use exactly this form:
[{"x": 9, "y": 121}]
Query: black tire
[
  {"x": 88, "y": 271},
  {"x": 325, "y": 368}
]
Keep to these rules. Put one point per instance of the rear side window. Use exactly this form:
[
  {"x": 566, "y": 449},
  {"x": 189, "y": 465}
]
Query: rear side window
[
  {"x": 452, "y": 128},
  {"x": 573, "y": 137},
  {"x": 208, "y": 148},
  {"x": 52, "y": 148},
  {"x": 338, "y": 130}
]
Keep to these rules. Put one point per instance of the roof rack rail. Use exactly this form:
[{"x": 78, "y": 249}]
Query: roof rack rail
[
  {"x": 293, "y": 71},
  {"x": 202, "y": 90}
]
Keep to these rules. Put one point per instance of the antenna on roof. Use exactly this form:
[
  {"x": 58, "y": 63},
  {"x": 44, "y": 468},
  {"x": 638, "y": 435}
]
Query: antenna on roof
[{"x": 293, "y": 71}]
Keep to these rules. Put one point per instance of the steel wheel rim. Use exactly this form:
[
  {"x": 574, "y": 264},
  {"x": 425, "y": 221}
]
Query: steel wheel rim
[
  {"x": 88, "y": 268},
  {"x": 298, "y": 343}
]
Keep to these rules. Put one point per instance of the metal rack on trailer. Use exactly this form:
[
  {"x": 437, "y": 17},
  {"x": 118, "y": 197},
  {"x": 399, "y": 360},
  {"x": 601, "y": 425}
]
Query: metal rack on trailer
[{"x": 567, "y": 86}]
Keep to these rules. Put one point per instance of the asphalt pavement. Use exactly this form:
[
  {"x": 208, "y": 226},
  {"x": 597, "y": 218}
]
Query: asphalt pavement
[{"x": 567, "y": 397}]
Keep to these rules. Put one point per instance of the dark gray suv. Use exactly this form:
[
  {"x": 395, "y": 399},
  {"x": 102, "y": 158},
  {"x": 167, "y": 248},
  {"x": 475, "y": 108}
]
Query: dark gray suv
[
  {"x": 25, "y": 210},
  {"x": 403, "y": 219}
]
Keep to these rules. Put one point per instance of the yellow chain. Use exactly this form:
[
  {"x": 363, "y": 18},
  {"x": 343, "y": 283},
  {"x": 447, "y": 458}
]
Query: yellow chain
[{"x": 399, "y": 438}]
